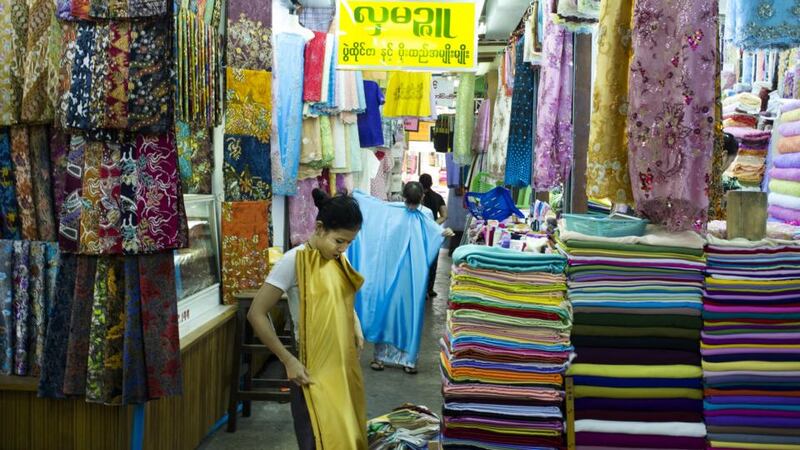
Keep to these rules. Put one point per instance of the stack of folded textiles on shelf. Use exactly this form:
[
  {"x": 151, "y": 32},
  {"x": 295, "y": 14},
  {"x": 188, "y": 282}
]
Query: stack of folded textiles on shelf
[
  {"x": 743, "y": 103},
  {"x": 751, "y": 160},
  {"x": 505, "y": 350},
  {"x": 637, "y": 305},
  {"x": 751, "y": 344},
  {"x": 739, "y": 120},
  {"x": 784, "y": 176}
]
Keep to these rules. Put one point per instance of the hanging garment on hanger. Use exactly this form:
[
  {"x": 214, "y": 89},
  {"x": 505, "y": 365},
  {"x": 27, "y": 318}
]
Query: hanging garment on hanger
[
  {"x": 465, "y": 119},
  {"x": 521, "y": 135},
  {"x": 289, "y": 61}
]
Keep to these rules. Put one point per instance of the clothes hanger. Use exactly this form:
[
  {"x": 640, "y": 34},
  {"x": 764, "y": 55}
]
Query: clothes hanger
[{"x": 293, "y": 26}]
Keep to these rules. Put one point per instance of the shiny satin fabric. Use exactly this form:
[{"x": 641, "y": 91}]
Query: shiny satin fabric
[{"x": 336, "y": 402}]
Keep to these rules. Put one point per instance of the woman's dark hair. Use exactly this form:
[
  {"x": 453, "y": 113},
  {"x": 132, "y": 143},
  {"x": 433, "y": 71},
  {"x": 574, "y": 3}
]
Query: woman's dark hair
[
  {"x": 413, "y": 192},
  {"x": 338, "y": 212},
  {"x": 426, "y": 181}
]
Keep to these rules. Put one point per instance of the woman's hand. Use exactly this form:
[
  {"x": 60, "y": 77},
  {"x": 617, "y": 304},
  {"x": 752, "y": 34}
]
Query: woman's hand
[
  {"x": 359, "y": 341},
  {"x": 297, "y": 373},
  {"x": 448, "y": 232}
]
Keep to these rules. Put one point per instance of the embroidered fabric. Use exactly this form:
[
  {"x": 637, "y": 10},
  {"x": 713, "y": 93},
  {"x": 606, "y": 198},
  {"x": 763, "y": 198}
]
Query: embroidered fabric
[{"x": 761, "y": 24}]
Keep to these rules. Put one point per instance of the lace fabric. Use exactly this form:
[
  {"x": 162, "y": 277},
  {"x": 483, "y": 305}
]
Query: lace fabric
[
  {"x": 290, "y": 55},
  {"x": 465, "y": 119},
  {"x": 501, "y": 125},
  {"x": 761, "y": 24}
]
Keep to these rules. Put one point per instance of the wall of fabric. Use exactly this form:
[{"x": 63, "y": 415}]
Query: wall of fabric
[{"x": 94, "y": 168}]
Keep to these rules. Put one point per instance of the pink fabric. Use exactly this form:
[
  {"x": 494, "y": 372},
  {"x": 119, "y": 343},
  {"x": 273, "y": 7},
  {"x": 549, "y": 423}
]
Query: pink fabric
[
  {"x": 302, "y": 212},
  {"x": 314, "y": 68},
  {"x": 671, "y": 99},
  {"x": 785, "y": 174}
]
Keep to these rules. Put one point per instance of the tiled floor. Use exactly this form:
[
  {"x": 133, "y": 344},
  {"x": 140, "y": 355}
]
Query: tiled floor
[{"x": 270, "y": 426}]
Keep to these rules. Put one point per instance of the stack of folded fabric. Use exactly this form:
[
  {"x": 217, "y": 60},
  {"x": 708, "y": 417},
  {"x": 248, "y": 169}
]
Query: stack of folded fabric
[
  {"x": 637, "y": 304},
  {"x": 751, "y": 344},
  {"x": 751, "y": 161},
  {"x": 739, "y": 120},
  {"x": 505, "y": 350},
  {"x": 744, "y": 102},
  {"x": 784, "y": 176},
  {"x": 409, "y": 427}
]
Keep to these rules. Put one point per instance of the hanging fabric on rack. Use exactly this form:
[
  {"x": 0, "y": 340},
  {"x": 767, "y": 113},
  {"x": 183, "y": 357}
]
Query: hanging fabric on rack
[
  {"x": 245, "y": 246},
  {"x": 246, "y": 170},
  {"x": 521, "y": 134},
  {"x": 465, "y": 119},
  {"x": 370, "y": 129},
  {"x": 249, "y": 35},
  {"x": 480, "y": 137},
  {"x": 249, "y": 103},
  {"x": 501, "y": 125},
  {"x": 554, "y": 112},
  {"x": 290, "y": 56},
  {"x": 9, "y": 212},
  {"x": 671, "y": 113},
  {"x": 195, "y": 158},
  {"x": 13, "y": 34},
  {"x": 607, "y": 162},
  {"x": 408, "y": 94},
  {"x": 763, "y": 24}
]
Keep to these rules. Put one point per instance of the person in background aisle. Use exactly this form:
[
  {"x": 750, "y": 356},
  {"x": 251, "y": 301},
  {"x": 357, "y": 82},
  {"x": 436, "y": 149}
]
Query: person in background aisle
[
  {"x": 387, "y": 353},
  {"x": 433, "y": 201},
  {"x": 328, "y": 405}
]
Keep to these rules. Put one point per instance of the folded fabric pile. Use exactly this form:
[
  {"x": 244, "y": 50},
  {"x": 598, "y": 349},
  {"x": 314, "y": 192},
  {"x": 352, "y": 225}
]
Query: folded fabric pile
[
  {"x": 784, "y": 176},
  {"x": 637, "y": 303},
  {"x": 409, "y": 427},
  {"x": 744, "y": 102},
  {"x": 739, "y": 120},
  {"x": 751, "y": 344},
  {"x": 750, "y": 163},
  {"x": 505, "y": 350}
]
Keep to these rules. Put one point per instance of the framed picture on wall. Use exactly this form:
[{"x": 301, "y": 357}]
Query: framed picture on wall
[
  {"x": 411, "y": 124},
  {"x": 424, "y": 132}
]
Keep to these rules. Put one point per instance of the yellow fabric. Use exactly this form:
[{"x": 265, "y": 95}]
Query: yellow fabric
[
  {"x": 753, "y": 446},
  {"x": 771, "y": 366},
  {"x": 408, "y": 94},
  {"x": 791, "y": 116},
  {"x": 610, "y": 392},
  {"x": 551, "y": 299},
  {"x": 607, "y": 169},
  {"x": 631, "y": 371},
  {"x": 249, "y": 103},
  {"x": 335, "y": 400}
]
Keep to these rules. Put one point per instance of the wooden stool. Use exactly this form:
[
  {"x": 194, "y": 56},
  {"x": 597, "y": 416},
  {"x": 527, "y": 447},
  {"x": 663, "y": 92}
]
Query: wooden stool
[{"x": 245, "y": 388}]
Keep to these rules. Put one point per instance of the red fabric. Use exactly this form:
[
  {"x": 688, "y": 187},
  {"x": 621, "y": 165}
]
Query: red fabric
[{"x": 314, "y": 68}]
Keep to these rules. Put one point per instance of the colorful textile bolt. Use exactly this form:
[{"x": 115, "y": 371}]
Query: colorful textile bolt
[{"x": 245, "y": 246}]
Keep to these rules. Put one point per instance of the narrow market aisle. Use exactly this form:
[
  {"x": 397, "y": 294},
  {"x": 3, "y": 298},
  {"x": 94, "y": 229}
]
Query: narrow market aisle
[{"x": 270, "y": 426}]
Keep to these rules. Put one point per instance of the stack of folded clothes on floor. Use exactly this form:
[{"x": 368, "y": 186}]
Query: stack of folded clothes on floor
[
  {"x": 784, "y": 176},
  {"x": 505, "y": 350},
  {"x": 409, "y": 427},
  {"x": 751, "y": 344},
  {"x": 637, "y": 304},
  {"x": 751, "y": 160}
]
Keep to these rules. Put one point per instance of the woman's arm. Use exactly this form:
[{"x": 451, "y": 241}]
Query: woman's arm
[
  {"x": 359, "y": 333},
  {"x": 266, "y": 298},
  {"x": 442, "y": 215}
]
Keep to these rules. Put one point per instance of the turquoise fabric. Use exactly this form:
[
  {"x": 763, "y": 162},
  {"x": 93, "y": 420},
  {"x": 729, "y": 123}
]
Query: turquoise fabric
[
  {"x": 496, "y": 258},
  {"x": 393, "y": 251},
  {"x": 763, "y": 24}
]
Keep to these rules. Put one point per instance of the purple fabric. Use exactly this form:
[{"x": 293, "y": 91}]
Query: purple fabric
[
  {"x": 480, "y": 137},
  {"x": 785, "y": 174},
  {"x": 255, "y": 11},
  {"x": 754, "y": 399},
  {"x": 751, "y": 309},
  {"x": 748, "y": 421},
  {"x": 639, "y": 440},
  {"x": 554, "y": 112},
  {"x": 453, "y": 171},
  {"x": 787, "y": 215},
  {"x": 789, "y": 129},
  {"x": 790, "y": 105},
  {"x": 671, "y": 110},
  {"x": 788, "y": 161},
  {"x": 302, "y": 211},
  {"x": 751, "y": 135},
  {"x": 370, "y": 127}
]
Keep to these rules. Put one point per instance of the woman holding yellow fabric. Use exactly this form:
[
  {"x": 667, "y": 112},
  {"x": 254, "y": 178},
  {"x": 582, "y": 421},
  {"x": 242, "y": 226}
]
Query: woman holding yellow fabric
[{"x": 328, "y": 406}]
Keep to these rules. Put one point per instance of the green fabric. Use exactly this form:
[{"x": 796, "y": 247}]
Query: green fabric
[
  {"x": 644, "y": 249},
  {"x": 562, "y": 312},
  {"x": 591, "y": 330},
  {"x": 785, "y": 187},
  {"x": 495, "y": 258},
  {"x": 676, "y": 371},
  {"x": 640, "y": 320},
  {"x": 469, "y": 314}
]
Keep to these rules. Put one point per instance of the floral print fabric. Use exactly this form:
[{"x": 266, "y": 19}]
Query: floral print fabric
[
  {"x": 249, "y": 38},
  {"x": 289, "y": 62},
  {"x": 501, "y": 126},
  {"x": 79, "y": 325},
  {"x": 13, "y": 42},
  {"x": 21, "y": 307},
  {"x": 9, "y": 213},
  {"x": 41, "y": 63},
  {"x": 20, "y": 155},
  {"x": 7, "y": 328},
  {"x": 195, "y": 158},
  {"x": 671, "y": 114},
  {"x": 247, "y": 171},
  {"x": 125, "y": 198},
  {"x": 554, "y": 111},
  {"x": 54, "y": 358},
  {"x": 249, "y": 103},
  {"x": 245, "y": 246},
  {"x": 607, "y": 162}
]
